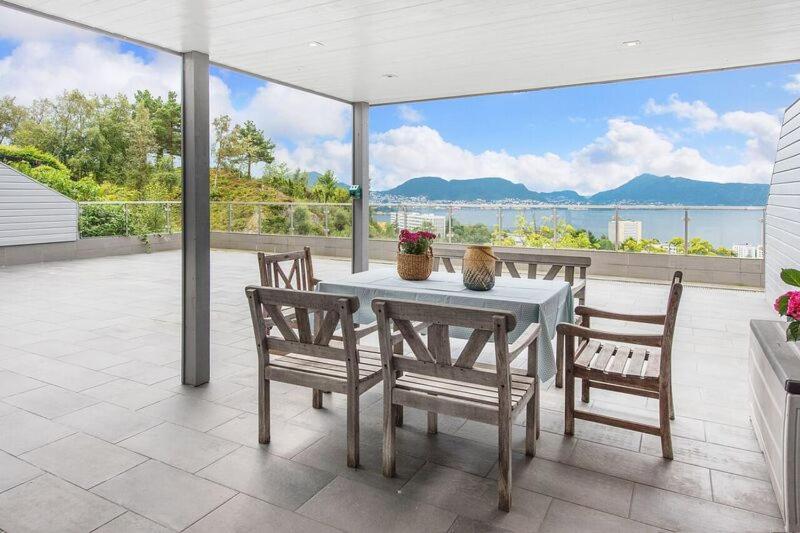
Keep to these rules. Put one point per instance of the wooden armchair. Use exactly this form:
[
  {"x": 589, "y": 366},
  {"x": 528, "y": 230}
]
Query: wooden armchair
[
  {"x": 433, "y": 381},
  {"x": 306, "y": 358},
  {"x": 641, "y": 366}
]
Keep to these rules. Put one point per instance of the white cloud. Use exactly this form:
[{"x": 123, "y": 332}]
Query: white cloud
[
  {"x": 703, "y": 117},
  {"x": 37, "y": 69},
  {"x": 793, "y": 86},
  {"x": 409, "y": 115},
  {"x": 624, "y": 151}
]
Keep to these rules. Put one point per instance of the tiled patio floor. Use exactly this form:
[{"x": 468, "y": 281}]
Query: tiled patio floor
[{"x": 97, "y": 433}]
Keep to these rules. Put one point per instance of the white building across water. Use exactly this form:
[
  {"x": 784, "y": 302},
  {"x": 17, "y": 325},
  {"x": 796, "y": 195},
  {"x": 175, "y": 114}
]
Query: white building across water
[
  {"x": 417, "y": 221},
  {"x": 625, "y": 229}
]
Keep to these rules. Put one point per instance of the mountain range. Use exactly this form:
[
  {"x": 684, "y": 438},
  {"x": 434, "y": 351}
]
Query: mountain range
[{"x": 643, "y": 189}]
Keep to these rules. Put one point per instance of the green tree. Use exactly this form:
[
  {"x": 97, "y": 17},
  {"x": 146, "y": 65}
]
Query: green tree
[
  {"x": 326, "y": 187},
  {"x": 11, "y": 115},
  {"x": 250, "y": 146},
  {"x": 166, "y": 121}
]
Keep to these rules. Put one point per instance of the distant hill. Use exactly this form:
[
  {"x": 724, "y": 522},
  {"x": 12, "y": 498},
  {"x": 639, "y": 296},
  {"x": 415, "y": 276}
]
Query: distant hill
[
  {"x": 643, "y": 189},
  {"x": 650, "y": 189}
]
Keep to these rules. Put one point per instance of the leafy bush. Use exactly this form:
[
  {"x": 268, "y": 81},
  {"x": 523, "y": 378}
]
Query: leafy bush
[
  {"x": 82, "y": 190},
  {"x": 30, "y": 155},
  {"x": 102, "y": 221}
]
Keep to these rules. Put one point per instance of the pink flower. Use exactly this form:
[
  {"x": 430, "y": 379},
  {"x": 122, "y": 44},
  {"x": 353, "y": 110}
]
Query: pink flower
[{"x": 793, "y": 309}]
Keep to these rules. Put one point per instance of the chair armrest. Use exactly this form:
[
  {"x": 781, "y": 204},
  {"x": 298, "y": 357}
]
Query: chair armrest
[
  {"x": 571, "y": 330},
  {"x": 525, "y": 339},
  {"x": 582, "y": 310}
]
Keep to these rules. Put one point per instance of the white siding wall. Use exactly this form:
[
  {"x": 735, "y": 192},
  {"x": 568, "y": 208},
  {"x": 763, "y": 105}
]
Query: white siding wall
[
  {"x": 783, "y": 206},
  {"x": 31, "y": 213}
]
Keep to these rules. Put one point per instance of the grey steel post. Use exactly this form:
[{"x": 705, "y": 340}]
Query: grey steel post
[
  {"x": 125, "y": 217},
  {"x": 555, "y": 226},
  {"x": 258, "y": 218},
  {"x": 325, "y": 228},
  {"x": 168, "y": 217},
  {"x": 500, "y": 219},
  {"x": 449, "y": 224},
  {"x": 361, "y": 177},
  {"x": 616, "y": 228},
  {"x": 685, "y": 232},
  {"x": 405, "y": 217},
  {"x": 230, "y": 217},
  {"x": 763, "y": 234},
  {"x": 291, "y": 219},
  {"x": 195, "y": 368}
]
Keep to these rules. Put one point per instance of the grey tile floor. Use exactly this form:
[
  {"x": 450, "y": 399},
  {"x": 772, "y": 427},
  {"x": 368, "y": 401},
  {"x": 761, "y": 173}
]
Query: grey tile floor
[{"x": 97, "y": 434}]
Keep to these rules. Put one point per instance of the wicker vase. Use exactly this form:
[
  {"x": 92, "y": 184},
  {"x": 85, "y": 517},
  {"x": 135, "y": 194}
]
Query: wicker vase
[
  {"x": 414, "y": 267},
  {"x": 478, "y": 268}
]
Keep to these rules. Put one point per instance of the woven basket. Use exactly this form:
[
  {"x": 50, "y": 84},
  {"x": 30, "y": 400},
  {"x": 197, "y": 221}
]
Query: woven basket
[{"x": 414, "y": 267}]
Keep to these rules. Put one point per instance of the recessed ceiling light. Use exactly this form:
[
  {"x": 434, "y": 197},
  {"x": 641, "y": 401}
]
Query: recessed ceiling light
[
  {"x": 389, "y": 75},
  {"x": 315, "y": 44},
  {"x": 631, "y": 43}
]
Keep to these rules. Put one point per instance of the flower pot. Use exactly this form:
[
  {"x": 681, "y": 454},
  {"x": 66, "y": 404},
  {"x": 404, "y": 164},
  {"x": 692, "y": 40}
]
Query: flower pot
[
  {"x": 478, "y": 268},
  {"x": 414, "y": 267}
]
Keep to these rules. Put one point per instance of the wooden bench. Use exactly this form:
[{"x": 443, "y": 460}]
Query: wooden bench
[{"x": 554, "y": 264}]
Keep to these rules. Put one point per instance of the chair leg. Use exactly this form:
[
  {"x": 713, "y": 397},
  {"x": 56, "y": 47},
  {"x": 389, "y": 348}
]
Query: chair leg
[
  {"x": 398, "y": 409},
  {"x": 389, "y": 426},
  {"x": 532, "y": 424},
  {"x": 433, "y": 423},
  {"x": 504, "y": 476},
  {"x": 559, "y": 361},
  {"x": 263, "y": 411},
  {"x": 316, "y": 399},
  {"x": 671, "y": 404},
  {"x": 585, "y": 384},
  {"x": 663, "y": 422},
  {"x": 569, "y": 400},
  {"x": 353, "y": 429},
  {"x": 538, "y": 396}
]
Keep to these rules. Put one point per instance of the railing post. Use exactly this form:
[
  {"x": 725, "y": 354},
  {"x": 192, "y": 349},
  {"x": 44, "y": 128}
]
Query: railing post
[
  {"x": 258, "y": 217},
  {"x": 125, "y": 217},
  {"x": 168, "y": 217},
  {"x": 405, "y": 217},
  {"x": 555, "y": 226},
  {"x": 326, "y": 212},
  {"x": 230, "y": 217},
  {"x": 763, "y": 234},
  {"x": 449, "y": 229},
  {"x": 291, "y": 219},
  {"x": 685, "y": 232},
  {"x": 499, "y": 219},
  {"x": 616, "y": 228}
]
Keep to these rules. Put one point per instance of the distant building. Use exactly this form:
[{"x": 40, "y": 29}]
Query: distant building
[
  {"x": 627, "y": 229},
  {"x": 748, "y": 251},
  {"x": 416, "y": 221}
]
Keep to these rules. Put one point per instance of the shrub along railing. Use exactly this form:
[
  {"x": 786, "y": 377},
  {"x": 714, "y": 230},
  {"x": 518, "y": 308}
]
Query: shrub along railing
[{"x": 694, "y": 230}]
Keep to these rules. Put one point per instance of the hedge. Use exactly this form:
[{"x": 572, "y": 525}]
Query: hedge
[{"x": 28, "y": 154}]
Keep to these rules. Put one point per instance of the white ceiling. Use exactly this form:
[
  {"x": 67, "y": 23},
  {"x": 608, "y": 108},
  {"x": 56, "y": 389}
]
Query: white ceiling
[{"x": 443, "y": 48}]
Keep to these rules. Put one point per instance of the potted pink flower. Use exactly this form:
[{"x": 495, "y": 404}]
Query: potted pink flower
[
  {"x": 415, "y": 255},
  {"x": 788, "y": 304}
]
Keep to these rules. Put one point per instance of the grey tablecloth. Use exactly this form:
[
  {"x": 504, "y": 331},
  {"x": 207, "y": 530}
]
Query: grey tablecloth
[{"x": 531, "y": 300}]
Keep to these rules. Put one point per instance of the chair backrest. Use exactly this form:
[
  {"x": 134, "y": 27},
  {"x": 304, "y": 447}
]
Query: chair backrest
[
  {"x": 511, "y": 261},
  {"x": 435, "y": 358},
  {"x": 673, "y": 302},
  {"x": 289, "y": 270},
  {"x": 329, "y": 310},
  {"x": 677, "y": 277}
]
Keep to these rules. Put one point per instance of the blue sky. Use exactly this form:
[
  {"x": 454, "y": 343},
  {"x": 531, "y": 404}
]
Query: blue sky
[{"x": 719, "y": 126}]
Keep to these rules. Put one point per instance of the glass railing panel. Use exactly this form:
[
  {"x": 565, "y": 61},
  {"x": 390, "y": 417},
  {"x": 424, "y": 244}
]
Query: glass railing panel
[{"x": 732, "y": 232}]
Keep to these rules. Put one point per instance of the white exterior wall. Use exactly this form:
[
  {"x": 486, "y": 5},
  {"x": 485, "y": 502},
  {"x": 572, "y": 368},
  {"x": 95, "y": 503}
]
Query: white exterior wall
[
  {"x": 32, "y": 213},
  {"x": 783, "y": 207}
]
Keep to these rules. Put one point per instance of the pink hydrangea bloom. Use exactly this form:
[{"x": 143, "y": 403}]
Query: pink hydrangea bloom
[{"x": 793, "y": 309}]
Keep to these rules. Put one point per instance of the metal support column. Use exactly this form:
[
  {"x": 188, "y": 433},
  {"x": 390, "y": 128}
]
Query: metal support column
[
  {"x": 196, "y": 220},
  {"x": 361, "y": 177}
]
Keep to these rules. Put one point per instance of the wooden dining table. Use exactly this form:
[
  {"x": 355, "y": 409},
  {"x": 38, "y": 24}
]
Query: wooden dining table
[{"x": 546, "y": 302}]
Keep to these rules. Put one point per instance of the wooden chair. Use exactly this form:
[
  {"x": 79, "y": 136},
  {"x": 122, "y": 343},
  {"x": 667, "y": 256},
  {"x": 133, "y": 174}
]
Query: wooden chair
[
  {"x": 300, "y": 274},
  {"x": 554, "y": 265},
  {"x": 433, "y": 381},
  {"x": 641, "y": 366},
  {"x": 306, "y": 358}
]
